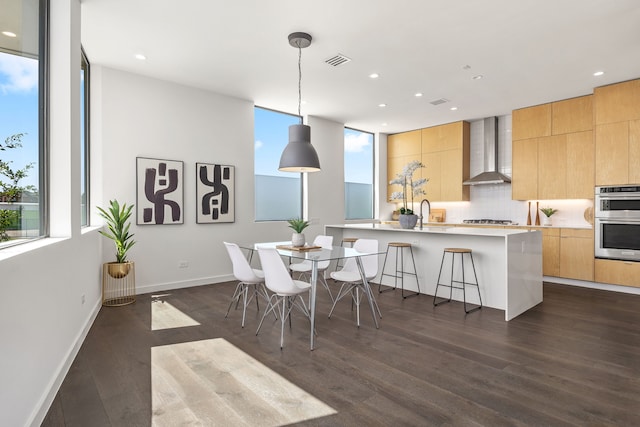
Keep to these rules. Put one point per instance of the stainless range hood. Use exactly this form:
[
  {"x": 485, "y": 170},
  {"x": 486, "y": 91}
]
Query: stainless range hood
[{"x": 490, "y": 174}]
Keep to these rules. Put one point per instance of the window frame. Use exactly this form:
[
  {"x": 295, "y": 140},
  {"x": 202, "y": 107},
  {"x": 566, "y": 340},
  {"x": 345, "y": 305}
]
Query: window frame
[
  {"x": 86, "y": 142},
  {"x": 373, "y": 174}
]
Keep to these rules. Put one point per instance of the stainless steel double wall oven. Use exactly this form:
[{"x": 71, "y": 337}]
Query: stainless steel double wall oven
[{"x": 617, "y": 222}]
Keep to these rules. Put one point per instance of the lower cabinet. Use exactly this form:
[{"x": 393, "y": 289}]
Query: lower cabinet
[
  {"x": 568, "y": 253},
  {"x": 576, "y": 254},
  {"x": 625, "y": 273}
]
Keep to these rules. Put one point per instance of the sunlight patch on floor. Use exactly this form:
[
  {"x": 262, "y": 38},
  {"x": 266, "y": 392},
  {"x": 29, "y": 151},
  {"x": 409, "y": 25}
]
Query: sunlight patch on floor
[
  {"x": 166, "y": 316},
  {"x": 212, "y": 382}
]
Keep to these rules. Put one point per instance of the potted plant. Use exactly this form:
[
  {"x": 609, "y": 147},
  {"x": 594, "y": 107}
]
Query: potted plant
[
  {"x": 410, "y": 189},
  {"x": 298, "y": 225},
  {"x": 117, "y": 218},
  {"x": 547, "y": 215}
]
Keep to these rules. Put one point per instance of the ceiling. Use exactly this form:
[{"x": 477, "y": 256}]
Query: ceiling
[{"x": 528, "y": 52}]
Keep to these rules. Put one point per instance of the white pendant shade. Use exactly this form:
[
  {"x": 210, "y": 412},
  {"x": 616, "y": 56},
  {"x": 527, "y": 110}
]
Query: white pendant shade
[{"x": 299, "y": 155}]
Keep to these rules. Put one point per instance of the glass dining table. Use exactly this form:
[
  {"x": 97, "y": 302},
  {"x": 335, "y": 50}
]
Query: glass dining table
[{"x": 316, "y": 256}]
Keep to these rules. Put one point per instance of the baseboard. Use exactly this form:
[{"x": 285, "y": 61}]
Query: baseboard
[
  {"x": 593, "y": 285},
  {"x": 47, "y": 398},
  {"x": 161, "y": 287}
]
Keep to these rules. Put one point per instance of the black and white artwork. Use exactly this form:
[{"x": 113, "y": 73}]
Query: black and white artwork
[
  {"x": 159, "y": 191},
  {"x": 214, "y": 193}
]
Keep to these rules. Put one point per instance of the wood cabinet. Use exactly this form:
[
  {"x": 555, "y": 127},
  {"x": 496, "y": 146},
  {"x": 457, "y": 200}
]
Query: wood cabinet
[
  {"x": 576, "y": 253},
  {"x": 444, "y": 150},
  {"x": 402, "y": 148},
  {"x": 445, "y": 154},
  {"x": 618, "y": 102},
  {"x": 551, "y": 252},
  {"x": 552, "y": 151},
  {"x": 617, "y": 133},
  {"x": 625, "y": 273}
]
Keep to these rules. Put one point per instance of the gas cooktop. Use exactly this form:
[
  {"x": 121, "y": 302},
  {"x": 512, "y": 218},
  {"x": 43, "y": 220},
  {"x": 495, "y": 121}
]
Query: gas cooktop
[{"x": 489, "y": 221}]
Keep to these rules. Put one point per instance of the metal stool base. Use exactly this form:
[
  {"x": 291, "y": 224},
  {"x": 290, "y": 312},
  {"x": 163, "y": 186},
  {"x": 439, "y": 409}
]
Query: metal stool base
[
  {"x": 399, "y": 272},
  {"x": 463, "y": 282}
]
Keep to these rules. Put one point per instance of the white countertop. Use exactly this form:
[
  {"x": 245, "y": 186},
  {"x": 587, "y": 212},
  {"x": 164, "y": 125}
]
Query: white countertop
[{"x": 439, "y": 229}]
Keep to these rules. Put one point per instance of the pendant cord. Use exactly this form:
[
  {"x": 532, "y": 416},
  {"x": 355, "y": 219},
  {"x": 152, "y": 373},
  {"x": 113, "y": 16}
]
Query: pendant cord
[{"x": 299, "y": 80}]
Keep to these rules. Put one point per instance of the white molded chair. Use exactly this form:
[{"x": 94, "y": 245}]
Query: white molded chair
[
  {"x": 304, "y": 267},
  {"x": 286, "y": 290},
  {"x": 250, "y": 281},
  {"x": 351, "y": 280}
]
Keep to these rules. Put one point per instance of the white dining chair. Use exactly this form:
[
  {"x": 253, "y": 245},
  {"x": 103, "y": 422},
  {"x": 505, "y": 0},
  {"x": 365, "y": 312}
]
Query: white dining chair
[
  {"x": 351, "y": 279},
  {"x": 286, "y": 290},
  {"x": 304, "y": 267},
  {"x": 250, "y": 281}
]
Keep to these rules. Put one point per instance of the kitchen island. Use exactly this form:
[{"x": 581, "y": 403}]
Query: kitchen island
[{"x": 508, "y": 261}]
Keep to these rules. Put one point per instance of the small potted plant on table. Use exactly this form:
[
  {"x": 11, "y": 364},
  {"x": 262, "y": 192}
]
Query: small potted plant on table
[{"x": 298, "y": 225}]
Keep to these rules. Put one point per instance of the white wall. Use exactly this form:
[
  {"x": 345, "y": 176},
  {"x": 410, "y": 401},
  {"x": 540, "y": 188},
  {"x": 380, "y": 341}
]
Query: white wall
[
  {"x": 152, "y": 118},
  {"x": 43, "y": 319}
]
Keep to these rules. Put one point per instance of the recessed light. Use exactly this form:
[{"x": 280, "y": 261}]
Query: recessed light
[
  {"x": 9, "y": 34},
  {"x": 453, "y": 108},
  {"x": 374, "y": 75},
  {"x": 418, "y": 95},
  {"x": 477, "y": 77},
  {"x": 382, "y": 105},
  {"x": 140, "y": 56},
  {"x": 598, "y": 73}
]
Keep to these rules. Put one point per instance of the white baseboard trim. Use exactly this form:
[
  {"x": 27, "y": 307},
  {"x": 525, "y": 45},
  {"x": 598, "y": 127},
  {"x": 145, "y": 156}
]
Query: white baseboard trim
[
  {"x": 593, "y": 285},
  {"x": 49, "y": 395},
  {"x": 161, "y": 287}
]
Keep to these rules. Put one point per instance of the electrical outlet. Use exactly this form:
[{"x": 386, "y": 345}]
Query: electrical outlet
[
  {"x": 83, "y": 298},
  {"x": 183, "y": 264}
]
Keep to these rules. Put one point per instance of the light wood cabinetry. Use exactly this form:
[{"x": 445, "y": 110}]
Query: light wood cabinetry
[
  {"x": 444, "y": 150},
  {"x": 531, "y": 122},
  {"x": 618, "y": 102},
  {"x": 552, "y": 151},
  {"x": 617, "y": 137},
  {"x": 551, "y": 252},
  {"x": 402, "y": 148},
  {"x": 580, "y": 165},
  {"x": 625, "y": 273},
  {"x": 576, "y": 253}
]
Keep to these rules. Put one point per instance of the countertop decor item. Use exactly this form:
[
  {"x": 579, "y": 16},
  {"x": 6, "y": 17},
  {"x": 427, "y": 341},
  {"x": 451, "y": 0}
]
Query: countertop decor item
[
  {"x": 547, "y": 215},
  {"x": 410, "y": 189},
  {"x": 529, "y": 214},
  {"x": 537, "y": 213},
  {"x": 298, "y": 225}
]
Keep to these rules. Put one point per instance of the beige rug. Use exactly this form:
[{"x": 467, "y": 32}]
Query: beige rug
[{"x": 213, "y": 383}]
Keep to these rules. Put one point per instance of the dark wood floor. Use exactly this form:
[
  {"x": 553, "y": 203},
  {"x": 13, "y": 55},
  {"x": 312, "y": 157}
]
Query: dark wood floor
[{"x": 572, "y": 360}]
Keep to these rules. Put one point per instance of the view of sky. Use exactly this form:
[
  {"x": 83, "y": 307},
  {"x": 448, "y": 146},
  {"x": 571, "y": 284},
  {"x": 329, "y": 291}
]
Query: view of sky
[{"x": 19, "y": 111}]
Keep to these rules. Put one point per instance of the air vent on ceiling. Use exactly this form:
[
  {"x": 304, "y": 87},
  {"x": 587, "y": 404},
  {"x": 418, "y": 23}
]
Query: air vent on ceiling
[
  {"x": 439, "y": 101},
  {"x": 339, "y": 59}
]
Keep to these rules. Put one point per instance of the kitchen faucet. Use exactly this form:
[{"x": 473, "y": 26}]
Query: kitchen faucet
[{"x": 428, "y": 211}]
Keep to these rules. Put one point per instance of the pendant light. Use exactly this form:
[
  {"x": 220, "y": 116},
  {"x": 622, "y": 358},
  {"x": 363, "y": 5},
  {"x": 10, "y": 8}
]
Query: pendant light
[{"x": 299, "y": 155}]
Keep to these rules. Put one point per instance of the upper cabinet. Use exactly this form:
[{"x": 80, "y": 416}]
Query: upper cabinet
[
  {"x": 444, "y": 150},
  {"x": 553, "y": 150},
  {"x": 617, "y": 133}
]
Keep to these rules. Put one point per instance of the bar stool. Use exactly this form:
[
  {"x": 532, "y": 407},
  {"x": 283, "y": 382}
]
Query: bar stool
[
  {"x": 399, "y": 270},
  {"x": 462, "y": 252},
  {"x": 350, "y": 241}
]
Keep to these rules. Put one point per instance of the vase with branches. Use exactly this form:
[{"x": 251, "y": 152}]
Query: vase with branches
[{"x": 410, "y": 189}]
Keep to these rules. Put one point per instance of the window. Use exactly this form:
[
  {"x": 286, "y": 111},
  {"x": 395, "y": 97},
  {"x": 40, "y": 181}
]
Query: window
[
  {"x": 278, "y": 195},
  {"x": 22, "y": 128},
  {"x": 358, "y": 174},
  {"x": 84, "y": 140}
]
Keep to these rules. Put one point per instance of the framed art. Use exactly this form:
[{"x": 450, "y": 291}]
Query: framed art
[
  {"x": 159, "y": 191},
  {"x": 215, "y": 193}
]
